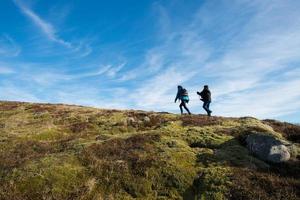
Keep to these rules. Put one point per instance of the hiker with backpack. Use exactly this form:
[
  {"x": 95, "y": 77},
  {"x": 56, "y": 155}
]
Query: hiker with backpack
[
  {"x": 205, "y": 95},
  {"x": 183, "y": 96}
]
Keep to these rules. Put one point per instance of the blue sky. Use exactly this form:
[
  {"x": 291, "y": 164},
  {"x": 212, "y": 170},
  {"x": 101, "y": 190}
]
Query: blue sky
[{"x": 132, "y": 54}]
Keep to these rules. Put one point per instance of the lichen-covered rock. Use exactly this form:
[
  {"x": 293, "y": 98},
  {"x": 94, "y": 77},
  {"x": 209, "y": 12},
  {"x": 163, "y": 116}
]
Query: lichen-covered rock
[
  {"x": 147, "y": 120},
  {"x": 294, "y": 150},
  {"x": 267, "y": 148},
  {"x": 131, "y": 121}
]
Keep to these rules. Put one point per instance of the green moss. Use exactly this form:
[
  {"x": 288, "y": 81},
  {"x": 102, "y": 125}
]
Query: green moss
[
  {"x": 60, "y": 176},
  {"x": 227, "y": 123},
  {"x": 233, "y": 154},
  {"x": 48, "y": 135},
  {"x": 205, "y": 137},
  {"x": 252, "y": 124},
  {"x": 71, "y": 152},
  {"x": 213, "y": 183}
]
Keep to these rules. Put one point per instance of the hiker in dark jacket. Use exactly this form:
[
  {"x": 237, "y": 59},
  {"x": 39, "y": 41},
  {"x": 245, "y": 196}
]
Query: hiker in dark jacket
[
  {"x": 206, "y": 98},
  {"x": 182, "y": 95}
]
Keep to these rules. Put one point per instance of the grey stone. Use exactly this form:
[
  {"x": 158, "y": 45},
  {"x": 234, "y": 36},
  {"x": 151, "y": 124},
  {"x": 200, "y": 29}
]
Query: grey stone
[
  {"x": 131, "y": 121},
  {"x": 267, "y": 148},
  {"x": 147, "y": 119}
]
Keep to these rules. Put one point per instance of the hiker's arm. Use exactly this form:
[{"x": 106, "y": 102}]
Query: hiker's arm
[
  {"x": 177, "y": 96},
  {"x": 201, "y": 93}
]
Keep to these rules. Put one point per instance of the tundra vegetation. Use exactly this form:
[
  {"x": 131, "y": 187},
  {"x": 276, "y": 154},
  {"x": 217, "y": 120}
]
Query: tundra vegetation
[{"x": 73, "y": 152}]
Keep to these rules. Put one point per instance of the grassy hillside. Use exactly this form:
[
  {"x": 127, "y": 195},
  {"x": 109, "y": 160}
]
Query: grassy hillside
[{"x": 70, "y": 152}]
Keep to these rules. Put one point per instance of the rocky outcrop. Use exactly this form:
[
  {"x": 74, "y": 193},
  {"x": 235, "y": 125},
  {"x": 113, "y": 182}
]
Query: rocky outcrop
[{"x": 267, "y": 148}]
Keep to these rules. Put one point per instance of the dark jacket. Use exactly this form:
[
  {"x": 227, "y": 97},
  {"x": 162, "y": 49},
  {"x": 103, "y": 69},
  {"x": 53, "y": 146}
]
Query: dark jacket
[
  {"x": 181, "y": 93},
  {"x": 205, "y": 95}
]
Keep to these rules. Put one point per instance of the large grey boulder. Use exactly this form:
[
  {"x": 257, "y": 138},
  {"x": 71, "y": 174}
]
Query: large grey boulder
[{"x": 267, "y": 148}]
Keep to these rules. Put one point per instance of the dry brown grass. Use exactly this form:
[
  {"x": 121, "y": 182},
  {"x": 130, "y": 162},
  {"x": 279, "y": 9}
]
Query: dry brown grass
[
  {"x": 200, "y": 120},
  {"x": 9, "y": 106},
  {"x": 79, "y": 127},
  {"x": 136, "y": 151},
  {"x": 122, "y": 164},
  {"x": 155, "y": 120},
  {"x": 38, "y": 108},
  {"x": 253, "y": 185},
  {"x": 289, "y": 131},
  {"x": 17, "y": 154}
]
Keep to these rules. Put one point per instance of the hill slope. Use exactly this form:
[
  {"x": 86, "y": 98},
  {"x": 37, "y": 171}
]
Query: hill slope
[{"x": 71, "y": 152}]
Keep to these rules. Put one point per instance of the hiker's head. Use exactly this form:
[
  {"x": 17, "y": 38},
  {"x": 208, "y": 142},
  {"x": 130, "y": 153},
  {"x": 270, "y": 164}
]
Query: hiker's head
[
  {"x": 179, "y": 87},
  {"x": 205, "y": 86}
]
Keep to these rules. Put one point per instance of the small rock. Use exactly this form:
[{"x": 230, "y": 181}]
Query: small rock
[
  {"x": 279, "y": 153},
  {"x": 131, "y": 121},
  {"x": 147, "y": 119},
  {"x": 267, "y": 148}
]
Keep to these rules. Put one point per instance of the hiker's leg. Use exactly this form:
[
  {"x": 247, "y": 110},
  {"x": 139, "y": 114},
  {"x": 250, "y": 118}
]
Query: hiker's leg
[
  {"x": 208, "y": 104},
  {"x": 205, "y": 107},
  {"x": 180, "y": 106},
  {"x": 184, "y": 105}
]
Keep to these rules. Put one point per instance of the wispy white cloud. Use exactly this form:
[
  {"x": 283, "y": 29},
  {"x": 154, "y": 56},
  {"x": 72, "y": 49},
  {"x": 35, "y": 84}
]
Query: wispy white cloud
[
  {"x": 82, "y": 48},
  {"x": 6, "y": 70},
  {"x": 46, "y": 27},
  {"x": 239, "y": 69},
  {"x": 256, "y": 53},
  {"x": 8, "y": 46},
  {"x": 12, "y": 92},
  {"x": 113, "y": 71},
  {"x": 158, "y": 92},
  {"x": 94, "y": 95},
  {"x": 104, "y": 70},
  {"x": 245, "y": 80},
  {"x": 128, "y": 76},
  {"x": 49, "y": 76},
  {"x": 265, "y": 102}
]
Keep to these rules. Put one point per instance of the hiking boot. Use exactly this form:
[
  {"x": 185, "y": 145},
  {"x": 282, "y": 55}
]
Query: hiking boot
[{"x": 209, "y": 113}]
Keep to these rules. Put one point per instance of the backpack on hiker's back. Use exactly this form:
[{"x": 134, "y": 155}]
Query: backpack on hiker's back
[{"x": 185, "y": 95}]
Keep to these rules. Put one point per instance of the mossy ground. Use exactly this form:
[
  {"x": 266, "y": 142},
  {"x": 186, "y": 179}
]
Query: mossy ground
[{"x": 71, "y": 152}]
